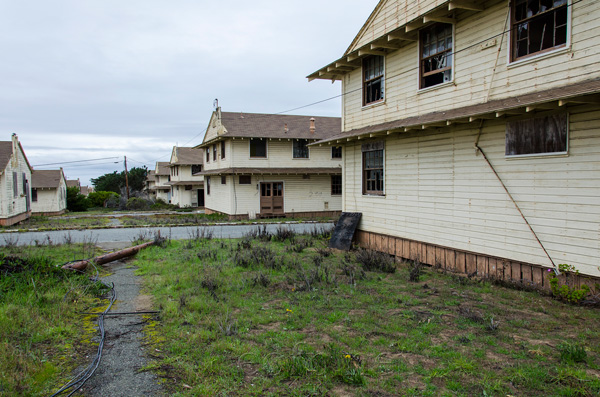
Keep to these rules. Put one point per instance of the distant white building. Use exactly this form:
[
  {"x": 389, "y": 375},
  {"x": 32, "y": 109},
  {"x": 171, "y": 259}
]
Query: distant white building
[
  {"x": 15, "y": 177},
  {"x": 48, "y": 192}
]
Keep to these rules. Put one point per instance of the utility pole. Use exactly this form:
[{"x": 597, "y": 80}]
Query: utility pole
[{"x": 126, "y": 179}]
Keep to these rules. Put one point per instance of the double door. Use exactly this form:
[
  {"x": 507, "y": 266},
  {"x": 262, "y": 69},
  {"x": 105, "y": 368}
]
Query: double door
[{"x": 271, "y": 198}]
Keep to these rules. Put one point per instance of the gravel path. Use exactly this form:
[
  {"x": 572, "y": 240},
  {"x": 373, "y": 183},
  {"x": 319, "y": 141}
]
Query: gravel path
[{"x": 123, "y": 356}]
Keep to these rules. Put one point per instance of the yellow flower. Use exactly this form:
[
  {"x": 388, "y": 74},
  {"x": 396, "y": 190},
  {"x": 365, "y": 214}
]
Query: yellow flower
[
  {"x": 288, "y": 310},
  {"x": 347, "y": 356}
]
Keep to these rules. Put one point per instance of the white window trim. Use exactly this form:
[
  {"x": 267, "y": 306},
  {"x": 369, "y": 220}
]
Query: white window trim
[
  {"x": 362, "y": 86},
  {"x": 540, "y": 56},
  {"x": 441, "y": 85}
]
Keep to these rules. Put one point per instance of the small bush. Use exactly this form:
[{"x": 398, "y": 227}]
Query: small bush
[
  {"x": 375, "y": 261},
  {"x": 415, "y": 271},
  {"x": 568, "y": 291},
  {"x": 284, "y": 233},
  {"x": 572, "y": 352},
  {"x": 101, "y": 198},
  {"x": 137, "y": 203}
]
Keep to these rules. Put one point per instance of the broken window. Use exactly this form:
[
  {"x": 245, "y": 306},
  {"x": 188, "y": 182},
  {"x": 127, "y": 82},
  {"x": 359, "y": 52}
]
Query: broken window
[
  {"x": 373, "y": 176},
  {"x": 538, "y": 26},
  {"x": 373, "y": 70},
  {"x": 188, "y": 187},
  {"x": 258, "y": 148},
  {"x": 222, "y": 150},
  {"x": 336, "y": 185},
  {"x": 245, "y": 179},
  {"x": 538, "y": 135},
  {"x": 300, "y": 148},
  {"x": 336, "y": 152},
  {"x": 436, "y": 54}
]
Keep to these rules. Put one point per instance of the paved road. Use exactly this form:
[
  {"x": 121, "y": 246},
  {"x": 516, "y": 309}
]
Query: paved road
[{"x": 130, "y": 234}]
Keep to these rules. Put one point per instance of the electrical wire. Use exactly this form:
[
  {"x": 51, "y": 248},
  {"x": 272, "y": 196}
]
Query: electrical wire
[
  {"x": 76, "y": 161},
  {"x": 87, "y": 373}
]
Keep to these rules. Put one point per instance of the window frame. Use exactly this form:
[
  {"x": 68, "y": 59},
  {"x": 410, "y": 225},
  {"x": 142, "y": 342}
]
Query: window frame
[
  {"x": 451, "y": 51},
  {"x": 208, "y": 185},
  {"x": 34, "y": 195},
  {"x": 340, "y": 152},
  {"x": 214, "y": 150},
  {"x": 222, "y": 150},
  {"x": 250, "y": 148},
  {"x": 195, "y": 167},
  {"x": 532, "y": 120},
  {"x": 512, "y": 53},
  {"x": 245, "y": 183},
  {"x": 336, "y": 187},
  {"x": 223, "y": 179},
  {"x": 365, "y": 83},
  {"x": 378, "y": 146},
  {"x": 305, "y": 149},
  {"x": 208, "y": 154},
  {"x": 15, "y": 185}
]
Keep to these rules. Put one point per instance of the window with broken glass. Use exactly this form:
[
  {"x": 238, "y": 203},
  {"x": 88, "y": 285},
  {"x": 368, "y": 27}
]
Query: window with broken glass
[
  {"x": 300, "y": 148},
  {"x": 373, "y": 71},
  {"x": 207, "y": 154},
  {"x": 373, "y": 177},
  {"x": 537, "y": 26},
  {"x": 436, "y": 54}
]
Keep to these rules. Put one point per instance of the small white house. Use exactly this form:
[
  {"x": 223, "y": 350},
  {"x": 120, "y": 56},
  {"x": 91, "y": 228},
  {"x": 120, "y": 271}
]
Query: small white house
[
  {"x": 48, "y": 192},
  {"x": 15, "y": 177}
]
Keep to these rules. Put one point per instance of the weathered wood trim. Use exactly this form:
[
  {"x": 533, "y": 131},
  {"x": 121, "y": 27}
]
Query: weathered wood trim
[{"x": 464, "y": 262}]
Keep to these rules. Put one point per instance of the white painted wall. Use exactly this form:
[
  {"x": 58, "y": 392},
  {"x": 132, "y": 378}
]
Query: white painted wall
[
  {"x": 9, "y": 204},
  {"x": 439, "y": 191}
]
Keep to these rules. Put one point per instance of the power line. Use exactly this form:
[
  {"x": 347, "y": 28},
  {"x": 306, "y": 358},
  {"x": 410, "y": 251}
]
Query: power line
[{"x": 76, "y": 161}]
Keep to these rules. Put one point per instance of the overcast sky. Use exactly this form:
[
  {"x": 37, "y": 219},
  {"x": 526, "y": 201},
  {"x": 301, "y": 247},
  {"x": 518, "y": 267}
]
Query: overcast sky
[{"x": 90, "y": 79}]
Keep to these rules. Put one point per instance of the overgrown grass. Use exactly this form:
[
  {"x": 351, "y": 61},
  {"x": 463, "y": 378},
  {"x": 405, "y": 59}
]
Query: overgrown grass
[
  {"x": 256, "y": 316},
  {"x": 58, "y": 223},
  {"x": 42, "y": 336}
]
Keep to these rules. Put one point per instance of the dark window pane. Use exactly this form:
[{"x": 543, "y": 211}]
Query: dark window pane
[{"x": 258, "y": 148}]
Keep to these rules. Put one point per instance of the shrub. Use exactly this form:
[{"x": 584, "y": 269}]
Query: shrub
[
  {"x": 375, "y": 261},
  {"x": 137, "y": 203},
  {"x": 100, "y": 199},
  {"x": 572, "y": 352},
  {"x": 567, "y": 291},
  {"x": 76, "y": 201}
]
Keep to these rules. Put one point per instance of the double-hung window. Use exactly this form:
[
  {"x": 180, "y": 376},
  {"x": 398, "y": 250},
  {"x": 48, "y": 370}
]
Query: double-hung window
[
  {"x": 222, "y": 150},
  {"x": 373, "y": 177},
  {"x": 336, "y": 152},
  {"x": 336, "y": 185},
  {"x": 537, "y": 26},
  {"x": 436, "y": 54},
  {"x": 373, "y": 79},
  {"x": 300, "y": 148}
]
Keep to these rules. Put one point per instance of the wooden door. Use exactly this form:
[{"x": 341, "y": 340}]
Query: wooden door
[{"x": 271, "y": 198}]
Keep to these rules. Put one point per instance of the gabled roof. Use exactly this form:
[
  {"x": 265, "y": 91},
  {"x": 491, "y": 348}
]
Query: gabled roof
[
  {"x": 150, "y": 175},
  {"x": 260, "y": 125},
  {"x": 73, "y": 183},
  {"x": 186, "y": 156},
  {"x": 162, "y": 168},
  {"x": 49, "y": 179},
  {"x": 6, "y": 152},
  {"x": 404, "y": 19}
]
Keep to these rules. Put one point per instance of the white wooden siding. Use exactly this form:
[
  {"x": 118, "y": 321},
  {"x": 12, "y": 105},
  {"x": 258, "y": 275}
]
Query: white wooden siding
[
  {"x": 440, "y": 192},
  {"x": 473, "y": 68},
  {"x": 391, "y": 15},
  {"x": 299, "y": 195},
  {"x": 279, "y": 155},
  {"x": 9, "y": 205}
]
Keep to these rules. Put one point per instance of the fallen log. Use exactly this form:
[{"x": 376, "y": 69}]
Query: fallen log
[{"x": 110, "y": 257}]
